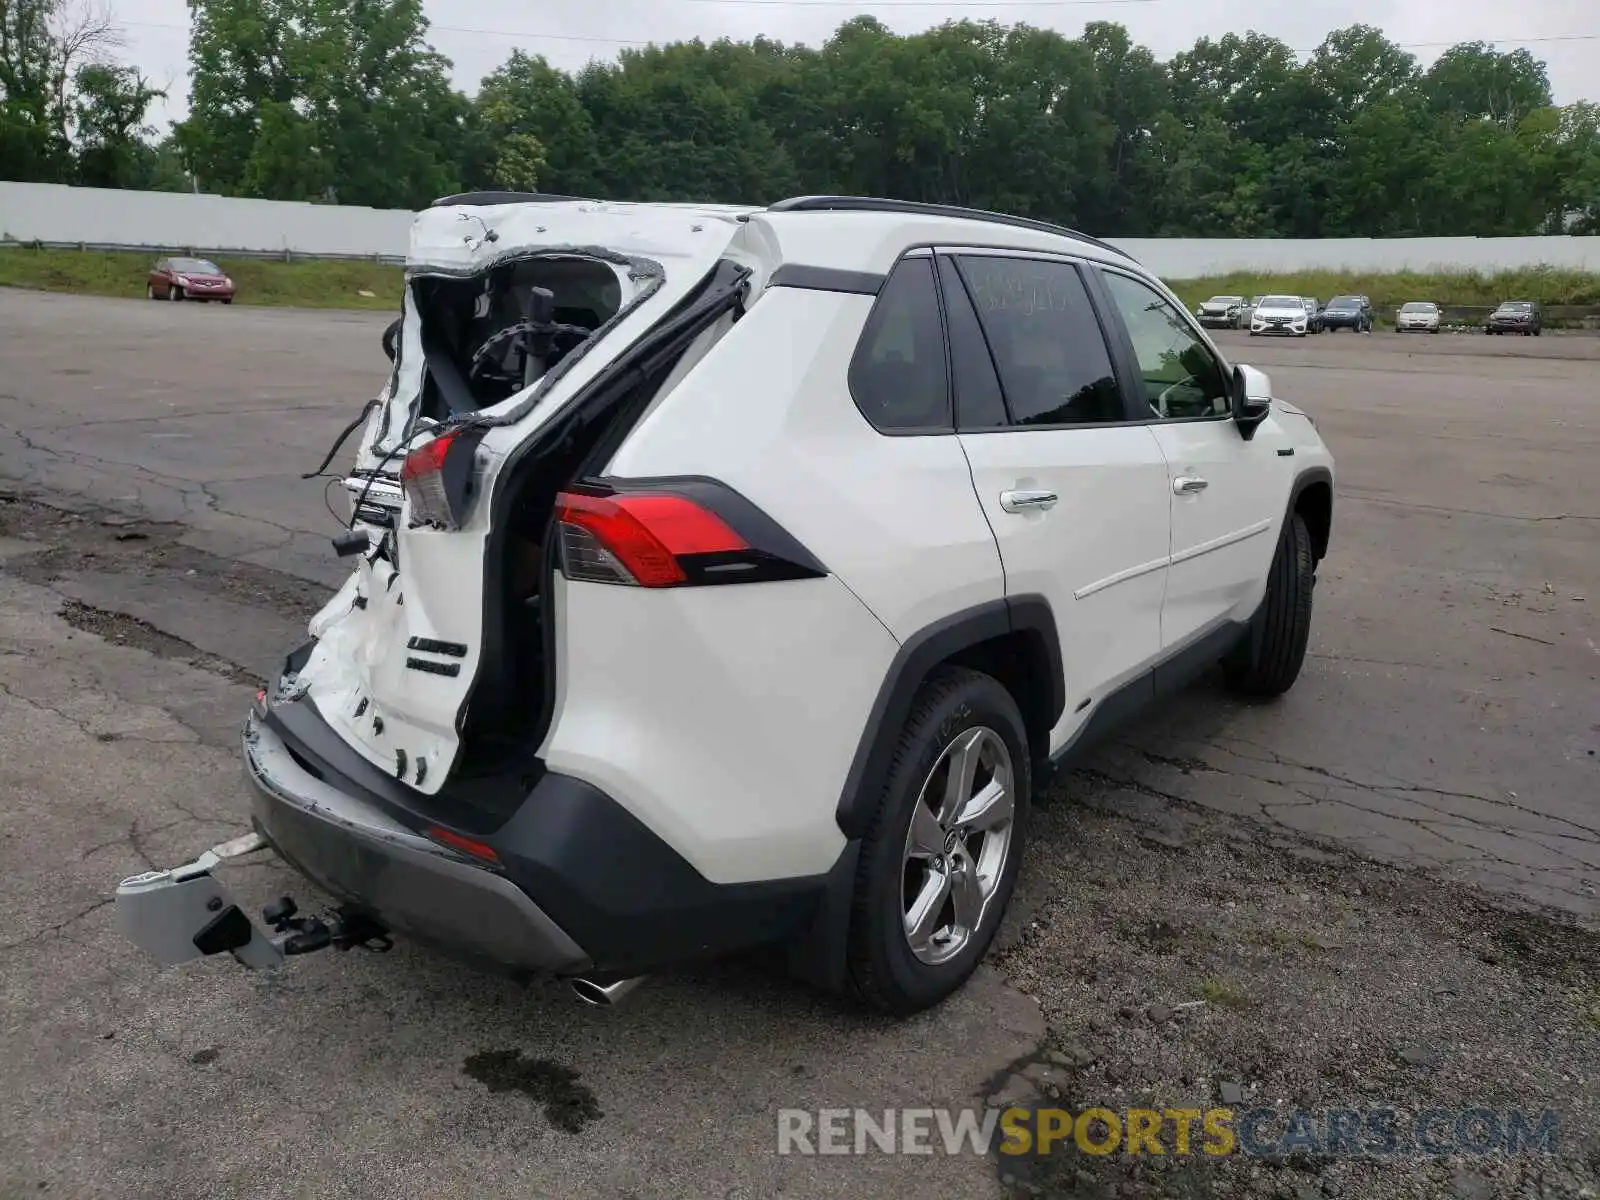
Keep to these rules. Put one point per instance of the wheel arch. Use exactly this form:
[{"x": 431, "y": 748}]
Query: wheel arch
[
  {"x": 1312, "y": 501},
  {"x": 1014, "y": 640}
]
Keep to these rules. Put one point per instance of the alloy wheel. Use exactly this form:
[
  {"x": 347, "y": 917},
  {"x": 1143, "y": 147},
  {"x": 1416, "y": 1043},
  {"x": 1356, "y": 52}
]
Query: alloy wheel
[{"x": 957, "y": 844}]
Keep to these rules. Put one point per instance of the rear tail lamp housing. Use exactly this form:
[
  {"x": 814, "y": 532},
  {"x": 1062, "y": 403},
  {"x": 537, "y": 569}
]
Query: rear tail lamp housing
[
  {"x": 666, "y": 534},
  {"x": 439, "y": 479}
]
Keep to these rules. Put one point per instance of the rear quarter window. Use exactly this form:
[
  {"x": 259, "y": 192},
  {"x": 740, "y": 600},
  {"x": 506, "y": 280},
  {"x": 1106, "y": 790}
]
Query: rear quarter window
[{"x": 898, "y": 376}]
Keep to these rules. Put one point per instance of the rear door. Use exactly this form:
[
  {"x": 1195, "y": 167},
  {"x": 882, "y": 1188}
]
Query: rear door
[
  {"x": 1225, "y": 492},
  {"x": 1075, "y": 491}
]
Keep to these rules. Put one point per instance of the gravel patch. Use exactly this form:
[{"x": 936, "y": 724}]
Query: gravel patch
[{"x": 1240, "y": 971}]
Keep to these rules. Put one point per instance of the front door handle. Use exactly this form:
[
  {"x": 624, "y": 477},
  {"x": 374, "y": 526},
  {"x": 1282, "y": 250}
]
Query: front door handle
[
  {"x": 1020, "y": 501},
  {"x": 1188, "y": 485}
]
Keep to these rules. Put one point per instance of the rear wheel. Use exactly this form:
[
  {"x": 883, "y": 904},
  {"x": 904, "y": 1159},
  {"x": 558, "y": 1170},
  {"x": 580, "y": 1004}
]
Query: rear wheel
[
  {"x": 1268, "y": 661},
  {"x": 149, "y": 292},
  {"x": 939, "y": 861}
]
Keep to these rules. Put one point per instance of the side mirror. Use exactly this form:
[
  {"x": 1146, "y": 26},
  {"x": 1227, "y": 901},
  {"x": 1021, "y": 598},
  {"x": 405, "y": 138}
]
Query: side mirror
[
  {"x": 1252, "y": 400},
  {"x": 391, "y": 338}
]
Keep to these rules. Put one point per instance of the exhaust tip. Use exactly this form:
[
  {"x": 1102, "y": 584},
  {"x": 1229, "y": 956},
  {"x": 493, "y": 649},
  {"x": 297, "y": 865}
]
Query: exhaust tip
[{"x": 603, "y": 995}]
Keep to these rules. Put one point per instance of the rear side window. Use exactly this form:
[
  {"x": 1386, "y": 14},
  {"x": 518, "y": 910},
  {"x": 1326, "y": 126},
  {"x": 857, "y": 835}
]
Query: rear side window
[
  {"x": 898, "y": 376},
  {"x": 1045, "y": 340}
]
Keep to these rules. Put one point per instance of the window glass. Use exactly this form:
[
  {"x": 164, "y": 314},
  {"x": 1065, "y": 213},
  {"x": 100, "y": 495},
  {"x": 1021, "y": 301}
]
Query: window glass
[
  {"x": 979, "y": 404},
  {"x": 898, "y": 373},
  {"x": 1045, "y": 339},
  {"x": 1180, "y": 374}
]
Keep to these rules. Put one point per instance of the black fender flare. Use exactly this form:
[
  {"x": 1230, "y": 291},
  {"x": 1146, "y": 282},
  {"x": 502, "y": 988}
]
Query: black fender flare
[
  {"x": 1304, "y": 480},
  {"x": 1030, "y": 616}
]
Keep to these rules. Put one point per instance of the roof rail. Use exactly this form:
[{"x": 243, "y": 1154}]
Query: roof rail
[
  {"x": 918, "y": 207},
  {"x": 482, "y": 199}
]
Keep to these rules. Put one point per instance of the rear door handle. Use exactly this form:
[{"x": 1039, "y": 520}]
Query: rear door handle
[
  {"x": 1188, "y": 485},
  {"x": 1020, "y": 501}
]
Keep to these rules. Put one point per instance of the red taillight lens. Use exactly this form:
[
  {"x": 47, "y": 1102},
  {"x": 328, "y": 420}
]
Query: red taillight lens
[
  {"x": 422, "y": 477},
  {"x": 636, "y": 539},
  {"x": 456, "y": 841}
]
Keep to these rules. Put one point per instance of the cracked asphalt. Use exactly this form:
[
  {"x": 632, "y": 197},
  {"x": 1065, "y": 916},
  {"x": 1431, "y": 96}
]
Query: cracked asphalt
[{"x": 1396, "y": 865}]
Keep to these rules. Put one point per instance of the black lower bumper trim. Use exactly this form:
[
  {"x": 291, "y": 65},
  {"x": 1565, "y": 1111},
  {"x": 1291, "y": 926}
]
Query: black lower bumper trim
[{"x": 630, "y": 899}]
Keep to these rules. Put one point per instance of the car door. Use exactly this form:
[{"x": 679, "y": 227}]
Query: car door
[
  {"x": 1075, "y": 492},
  {"x": 1226, "y": 492},
  {"x": 158, "y": 278}
]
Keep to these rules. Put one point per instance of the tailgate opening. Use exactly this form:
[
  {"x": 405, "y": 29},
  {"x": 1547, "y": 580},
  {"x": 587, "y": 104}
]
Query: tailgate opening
[{"x": 511, "y": 702}]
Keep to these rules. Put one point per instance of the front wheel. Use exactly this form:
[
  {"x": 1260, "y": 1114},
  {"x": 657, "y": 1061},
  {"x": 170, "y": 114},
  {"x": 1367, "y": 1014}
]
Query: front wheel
[
  {"x": 1268, "y": 661},
  {"x": 174, "y": 293},
  {"x": 939, "y": 861}
]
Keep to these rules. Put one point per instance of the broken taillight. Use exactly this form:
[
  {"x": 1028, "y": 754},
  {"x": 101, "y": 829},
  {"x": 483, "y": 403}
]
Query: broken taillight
[{"x": 437, "y": 478}]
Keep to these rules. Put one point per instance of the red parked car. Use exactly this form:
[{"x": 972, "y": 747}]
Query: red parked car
[{"x": 188, "y": 279}]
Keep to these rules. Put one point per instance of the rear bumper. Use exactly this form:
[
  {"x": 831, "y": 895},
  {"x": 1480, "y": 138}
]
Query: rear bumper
[
  {"x": 354, "y": 850},
  {"x": 582, "y": 885}
]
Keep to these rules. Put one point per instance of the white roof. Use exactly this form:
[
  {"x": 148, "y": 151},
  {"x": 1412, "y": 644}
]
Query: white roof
[{"x": 845, "y": 239}]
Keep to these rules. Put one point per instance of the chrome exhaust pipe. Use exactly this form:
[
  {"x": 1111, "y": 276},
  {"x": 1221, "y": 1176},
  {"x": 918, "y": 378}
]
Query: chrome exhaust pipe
[{"x": 604, "y": 995}]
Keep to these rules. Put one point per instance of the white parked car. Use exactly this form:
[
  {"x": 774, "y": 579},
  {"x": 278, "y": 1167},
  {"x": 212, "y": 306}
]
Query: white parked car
[
  {"x": 1220, "y": 312},
  {"x": 1419, "y": 316},
  {"x": 726, "y": 577},
  {"x": 1280, "y": 315}
]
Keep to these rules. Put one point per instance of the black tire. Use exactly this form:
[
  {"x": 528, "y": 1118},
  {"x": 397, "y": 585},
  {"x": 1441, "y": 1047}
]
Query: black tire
[
  {"x": 227, "y": 299},
  {"x": 175, "y": 293},
  {"x": 1268, "y": 661},
  {"x": 883, "y": 970}
]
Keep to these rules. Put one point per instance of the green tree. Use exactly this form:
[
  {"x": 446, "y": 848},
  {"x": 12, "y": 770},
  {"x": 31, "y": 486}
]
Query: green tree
[
  {"x": 532, "y": 130},
  {"x": 337, "y": 100},
  {"x": 1475, "y": 80},
  {"x": 45, "y": 46},
  {"x": 110, "y": 130}
]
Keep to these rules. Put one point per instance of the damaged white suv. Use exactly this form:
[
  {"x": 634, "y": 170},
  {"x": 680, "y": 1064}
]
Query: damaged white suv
[{"x": 728, "y": 577}]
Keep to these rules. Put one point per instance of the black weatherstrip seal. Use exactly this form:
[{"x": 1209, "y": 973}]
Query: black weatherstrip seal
[
  {"x": 827, "y": 279},
  {"x": 919, "y": 655}
]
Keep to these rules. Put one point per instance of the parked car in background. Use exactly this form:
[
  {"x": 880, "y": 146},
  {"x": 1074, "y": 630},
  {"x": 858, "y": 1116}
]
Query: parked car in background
[
  {"x": 188, "y": 279},
  {"x": 1417, "y": 316},
  {"x": 1285, "y": 315},
  {"x": 1248, "y": 311},
  {"x": 1313, "y": 314},
  {"x": 1220, "y": 312},
  {"x": 1348, "y": 312},
  {"x": 1516, "y": 316}
]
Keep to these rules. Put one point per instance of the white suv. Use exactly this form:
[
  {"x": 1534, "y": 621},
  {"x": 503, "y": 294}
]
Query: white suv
[{"x": 734, "y": 576}]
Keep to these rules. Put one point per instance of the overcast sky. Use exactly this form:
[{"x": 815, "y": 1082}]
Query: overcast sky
[{"x": 477, "y": 35}]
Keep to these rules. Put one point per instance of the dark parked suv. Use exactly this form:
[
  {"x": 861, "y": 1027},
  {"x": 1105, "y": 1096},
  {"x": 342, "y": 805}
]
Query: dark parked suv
[
  {"x": 1348, "y": 312},
  {"x": 1516, "y": 316}
]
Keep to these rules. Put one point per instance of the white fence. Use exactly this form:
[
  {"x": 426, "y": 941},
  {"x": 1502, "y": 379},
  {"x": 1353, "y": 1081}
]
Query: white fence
[{"x": 160, "y": 221}]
